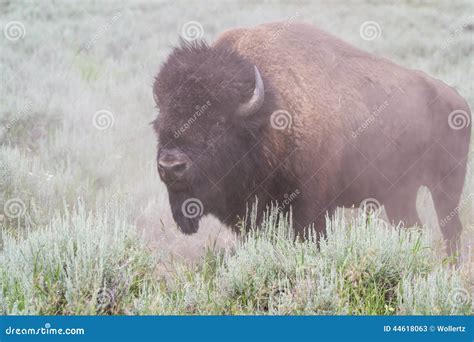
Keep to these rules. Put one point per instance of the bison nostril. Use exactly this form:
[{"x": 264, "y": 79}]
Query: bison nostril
[
  {"x": 180, "y": 167},
  {"x": 174, "y": 168}
]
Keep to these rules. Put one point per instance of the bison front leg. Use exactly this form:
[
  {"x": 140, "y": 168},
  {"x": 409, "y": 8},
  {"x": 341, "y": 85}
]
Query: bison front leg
[
  {"x": 401, "y": 206},
  {"x": 309, "y": 215}
]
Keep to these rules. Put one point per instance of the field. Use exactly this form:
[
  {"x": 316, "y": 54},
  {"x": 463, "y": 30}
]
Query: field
[{"x": 85, "y": 221}]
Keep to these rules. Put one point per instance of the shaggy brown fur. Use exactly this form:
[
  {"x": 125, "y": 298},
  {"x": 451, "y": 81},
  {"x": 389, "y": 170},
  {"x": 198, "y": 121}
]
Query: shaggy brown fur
[{"x": 361, "y": 127}]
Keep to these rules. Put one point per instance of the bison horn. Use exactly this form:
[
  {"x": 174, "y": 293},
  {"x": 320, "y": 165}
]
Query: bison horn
[{"x": 256, "y": 101}]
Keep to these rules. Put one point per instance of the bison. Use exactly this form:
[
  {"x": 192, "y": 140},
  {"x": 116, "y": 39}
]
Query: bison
[{"x": 285, "y": 108}]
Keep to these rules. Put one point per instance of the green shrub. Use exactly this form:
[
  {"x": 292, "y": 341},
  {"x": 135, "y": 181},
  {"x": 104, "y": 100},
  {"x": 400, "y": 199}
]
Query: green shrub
[
  {"x": 363, "y": 266},
  {"x": 79, "y": 264}
]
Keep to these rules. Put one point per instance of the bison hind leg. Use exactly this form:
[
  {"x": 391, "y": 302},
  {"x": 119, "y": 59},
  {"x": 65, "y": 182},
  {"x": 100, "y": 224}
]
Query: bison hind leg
[{"x": 446, "y": 198}]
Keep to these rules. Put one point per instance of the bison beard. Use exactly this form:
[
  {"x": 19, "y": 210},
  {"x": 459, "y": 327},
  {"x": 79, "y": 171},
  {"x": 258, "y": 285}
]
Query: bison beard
[
  {"x": 356, "y": 127},
  {"x": 187, "y": 225}
]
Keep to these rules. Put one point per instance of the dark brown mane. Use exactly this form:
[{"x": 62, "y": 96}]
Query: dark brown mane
[{"x": 195, "y": 71}]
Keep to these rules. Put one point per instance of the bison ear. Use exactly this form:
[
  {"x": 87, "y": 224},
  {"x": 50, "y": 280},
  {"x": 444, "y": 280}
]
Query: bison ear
[{"x": 255, "y": 103}]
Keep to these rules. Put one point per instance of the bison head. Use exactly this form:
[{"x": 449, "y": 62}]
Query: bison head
[{"x": 209, "y": 131}]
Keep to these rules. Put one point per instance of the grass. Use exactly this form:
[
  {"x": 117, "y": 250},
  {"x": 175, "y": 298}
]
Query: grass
[
  {"x": 85, "y": 263},
  {"x": 85, "y": 223},
  {"x": 80, "y": 263}
]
